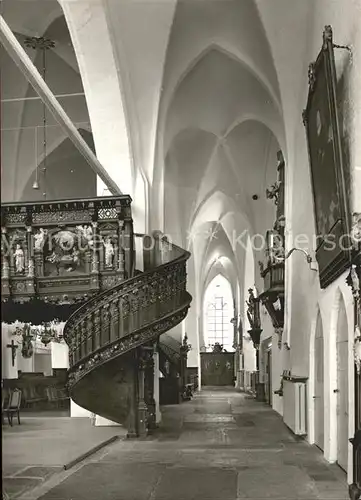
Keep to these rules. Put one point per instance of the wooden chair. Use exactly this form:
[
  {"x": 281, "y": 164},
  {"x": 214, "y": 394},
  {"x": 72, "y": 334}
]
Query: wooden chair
[{"x": 14, "y": 406}]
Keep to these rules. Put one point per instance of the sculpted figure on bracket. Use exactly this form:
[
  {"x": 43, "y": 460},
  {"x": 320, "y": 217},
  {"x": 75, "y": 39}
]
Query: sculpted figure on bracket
[
  {"x": 109, "y": 252},
  {"x": 19, "y": 259},
  {"x": 39, "y": 239}
]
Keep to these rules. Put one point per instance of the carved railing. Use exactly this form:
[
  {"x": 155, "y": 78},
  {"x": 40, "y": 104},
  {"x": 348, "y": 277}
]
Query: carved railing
[
  {"x": 65, "y": 251},
  {"x": 273, "y": 271},
  {"x": 274, "y": 277},
  {"x": 131, "y": 314}
]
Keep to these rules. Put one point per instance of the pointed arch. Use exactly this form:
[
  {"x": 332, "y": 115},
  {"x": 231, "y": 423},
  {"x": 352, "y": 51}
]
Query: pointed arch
[{"x": 218, "y": 305}]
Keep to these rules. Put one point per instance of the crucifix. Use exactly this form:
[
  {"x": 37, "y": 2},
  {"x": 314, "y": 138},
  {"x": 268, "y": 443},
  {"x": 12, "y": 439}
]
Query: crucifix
[{"x": 13, "y": 348}]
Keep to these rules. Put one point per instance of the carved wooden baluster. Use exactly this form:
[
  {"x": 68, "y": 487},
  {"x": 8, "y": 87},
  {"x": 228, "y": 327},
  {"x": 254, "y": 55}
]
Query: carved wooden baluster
[
  {"x": 83, "y": 339},
  {"x": 180, "y": 283},
  {"x": 126, "y": 314},
  {"x": 89, "y": 333},
  {"x": 119, "y": 306},
  {"x": 144, "y": 312},
  {"x": 78, "y": 341},
  {"x": 135, "y": 321},
  {"x": 154, "y": 295},
  {"x": 105, "y": 325},
  {"x": 96, "y": 330},
  {"x": 71, "y": 348},
  {"x": 161, "y": 296},
  {"x": 114, "y": 321}
]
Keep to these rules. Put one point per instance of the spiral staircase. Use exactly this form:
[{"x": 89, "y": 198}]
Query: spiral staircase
[
  {"x": 112, "y": 336},
  {"x": 115, "y": 306}
]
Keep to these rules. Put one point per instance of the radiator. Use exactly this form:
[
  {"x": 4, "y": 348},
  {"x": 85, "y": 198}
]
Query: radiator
[{"x": 294, "y": 406}]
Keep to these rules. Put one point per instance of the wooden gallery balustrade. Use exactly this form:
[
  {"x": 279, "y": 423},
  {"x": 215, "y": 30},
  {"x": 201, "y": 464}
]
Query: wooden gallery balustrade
[{"x": 63, "y": 252}]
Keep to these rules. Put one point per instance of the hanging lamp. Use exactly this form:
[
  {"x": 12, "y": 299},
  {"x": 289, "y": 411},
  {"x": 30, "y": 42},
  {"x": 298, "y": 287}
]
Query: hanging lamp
[{"x": 41, "y": 43}]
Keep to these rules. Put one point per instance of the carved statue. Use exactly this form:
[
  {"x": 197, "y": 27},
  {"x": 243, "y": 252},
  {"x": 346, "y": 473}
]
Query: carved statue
[
  {"x": 19, "y": 259},
  {"x": 40, "y": 239},
  {"x": 217, "y": 347},
  {"x": 273, "y": 192},
  {"x": 356, "y": 230},
  {"x": 253, "y": 311},
  {"x": 277, "y": 251},
  {"x": 109, "y": 252},
  {"x": 65, "y": 240},
  {"x": 87, "y": 233},
  {"x": 75, "y": 255}
]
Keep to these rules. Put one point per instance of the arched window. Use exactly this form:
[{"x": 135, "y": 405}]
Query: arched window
[{"x": 218, "y": 312}]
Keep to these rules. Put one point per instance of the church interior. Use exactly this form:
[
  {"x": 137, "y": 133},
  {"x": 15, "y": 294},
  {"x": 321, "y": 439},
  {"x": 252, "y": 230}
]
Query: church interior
[{"x": 181, "y": 249}]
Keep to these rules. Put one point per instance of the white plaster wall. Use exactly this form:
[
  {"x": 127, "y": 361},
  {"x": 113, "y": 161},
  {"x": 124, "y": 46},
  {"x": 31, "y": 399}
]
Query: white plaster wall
[
  {"x": 22, "y": 121},
  {"x": 59, "y": 355},
  {"x": 329, "y": 308},
  {"x": 291, "y": 60},
  {"x": 78, "y": 411},
  {"x": 103, "y": 90},
  {"x": 104, "y": 422},
  {"x": 25, "y": 365},
  {"x": 42, "y": 363}
]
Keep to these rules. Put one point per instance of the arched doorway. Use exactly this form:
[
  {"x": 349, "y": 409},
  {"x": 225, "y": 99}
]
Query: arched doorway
[
  {"x": 342, "y": 387},
  {"x": 319, "y": 385}
]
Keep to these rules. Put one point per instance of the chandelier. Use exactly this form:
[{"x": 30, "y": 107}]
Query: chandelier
[{"x": 43, "y": 44}]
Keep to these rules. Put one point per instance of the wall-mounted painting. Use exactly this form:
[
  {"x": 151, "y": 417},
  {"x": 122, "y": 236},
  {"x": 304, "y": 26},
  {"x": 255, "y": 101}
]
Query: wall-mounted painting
[{"x": 329, "y": 165}]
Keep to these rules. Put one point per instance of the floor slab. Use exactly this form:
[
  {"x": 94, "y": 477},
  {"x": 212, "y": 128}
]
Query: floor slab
[{"x": 234, "y": 448}]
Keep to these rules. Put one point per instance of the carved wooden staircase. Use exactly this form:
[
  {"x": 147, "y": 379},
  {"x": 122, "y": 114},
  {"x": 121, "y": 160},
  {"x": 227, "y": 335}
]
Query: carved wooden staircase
[
  {"x": 111, "y": 338},
  {"x": 62, "y": 256}
]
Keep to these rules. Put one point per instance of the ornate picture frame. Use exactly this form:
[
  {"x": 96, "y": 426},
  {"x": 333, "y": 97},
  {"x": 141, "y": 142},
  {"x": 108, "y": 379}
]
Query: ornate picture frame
[{"x": 329, "y": 174}]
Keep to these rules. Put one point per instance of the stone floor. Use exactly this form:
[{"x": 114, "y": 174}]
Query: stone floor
[
  {"x": 222, "y": 445},
  {"x": 38, "y": 449}
]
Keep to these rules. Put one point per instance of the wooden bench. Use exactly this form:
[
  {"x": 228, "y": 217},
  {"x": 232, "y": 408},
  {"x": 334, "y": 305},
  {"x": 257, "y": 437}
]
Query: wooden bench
[
  {"x": 32, "y": 396},
  {"x": 57, "y": 395}
]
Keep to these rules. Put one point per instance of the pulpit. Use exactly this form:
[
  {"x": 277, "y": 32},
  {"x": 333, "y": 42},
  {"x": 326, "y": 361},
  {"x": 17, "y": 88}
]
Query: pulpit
[{"x": 63, "y": 252}]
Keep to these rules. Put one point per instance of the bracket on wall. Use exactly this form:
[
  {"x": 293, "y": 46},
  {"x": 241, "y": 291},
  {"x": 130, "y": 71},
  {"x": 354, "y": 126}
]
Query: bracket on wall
[{"x": 313, "y": 264}]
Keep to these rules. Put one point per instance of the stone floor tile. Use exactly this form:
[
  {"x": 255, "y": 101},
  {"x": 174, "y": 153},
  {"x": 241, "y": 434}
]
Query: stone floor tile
[
  {"x": 14, "y": 486},
  {"x": 105, "y": 481},
  {"x": 219, "y": 446},
  {"x": 275, "y": 482},
  {"x": 197, "y": 484}
]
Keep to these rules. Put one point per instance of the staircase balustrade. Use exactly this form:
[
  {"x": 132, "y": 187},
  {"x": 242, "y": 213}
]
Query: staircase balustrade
[{"x": 66, "y": 253}]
